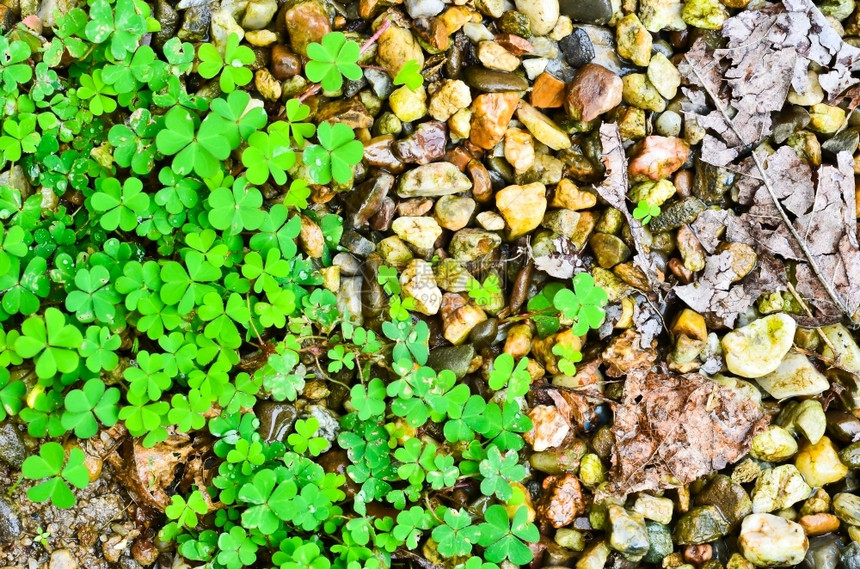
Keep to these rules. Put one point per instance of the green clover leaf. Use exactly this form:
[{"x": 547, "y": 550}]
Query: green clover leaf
[{"x": 333, "y": 60}]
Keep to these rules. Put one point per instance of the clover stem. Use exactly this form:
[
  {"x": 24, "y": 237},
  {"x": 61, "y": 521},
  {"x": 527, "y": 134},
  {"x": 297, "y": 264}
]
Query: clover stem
[{"x": 369, "y": 43}]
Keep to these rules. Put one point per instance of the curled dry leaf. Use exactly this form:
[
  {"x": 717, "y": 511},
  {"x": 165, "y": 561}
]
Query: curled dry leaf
[
  {"x": 768, "y": 52},
  {"x": 672, "y": 429},
  {"x": 614, "y": 191}
]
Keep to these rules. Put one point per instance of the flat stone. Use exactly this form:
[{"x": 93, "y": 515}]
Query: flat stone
[
  {"x": 588, "y": 11},
  {"x": 491, "y": 113},
  {"x": 523, "y": 207},
  {"x": 794, "y": 377},
  {"x": 594, "y": 91},
  {"x": 758, "y": 348},
  {"x": 433, "y": 180},
  {"x": 766, "y": 540}
]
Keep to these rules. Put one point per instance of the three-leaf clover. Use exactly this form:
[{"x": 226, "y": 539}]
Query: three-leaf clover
[
  {"x": 457, "y": 535},
  {"x": 503, "y": 539},
  {"x": 237, "y": 209},
  {"x": 51, "y": 342},
  {"x": 84, "y": 406},
  {"x": 504, "y": 372},
  {"x": 120, "y": 205},
  {"x": 410, "y": 75},
  {"x": 335, "y": 155},
  {"x": 200, "y": 152},
  {"x": 266, "y": 155},
  {"x": 333, "y": 60},
  {"x": 583, "y": 305},
  {"x": 51, "y": 463},
  {"x": 645, "y": 211},
  {"x": 231, "y": 66},
  {"x": 121, "y": 23},
  {"x": 304, "y": 440},
  {"x": 499, "y": 471}
]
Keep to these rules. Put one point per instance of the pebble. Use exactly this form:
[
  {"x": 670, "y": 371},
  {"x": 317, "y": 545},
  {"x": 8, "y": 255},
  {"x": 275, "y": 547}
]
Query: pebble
[
  {"x": 10, "y": 525},
  {"x": 729, "y": 497},
  {"x": 490, "y": 81},
  {"x": 577, "y": 48},
  {"x": 819, "y": 463},
  {"x": 562, "y": 221},
  {"x": 701, "y": 524},
  {"x": 826, "y": 119},
  {"x": 794, "y": 377},
  {"x": 12, "y": 449},
  {"x": 457, "y": 359},
  {"x": 641, "y": 93},
  {"x": 669, "y": 123},
  {"x": 223, "y": 25},
  {"x": 454, "y": 212},
  {"x": 261, "y": 38},
  {"x": 659, "y": 15},
  {"x": 424, "y": 8},
  {"x": 819, "y": 524},
  {"x": 850, "y": 556},
  {"x": 547, "y": 92},
  {"x": 542, "y": 127},
  {"x": 259, "y": 13},
  {"x": 757, "y": 349},
  {"x": 654, "y": 508},
  {"x": 418, "y": 283},
  {"x": 449, "y": 98},
  {"x": 349, "y": 299},
  {"x": 396, "y": 46},
  {"x": 779, "y": 488},
  {"x": 628, "y": 533},
  {"x": 408, "y": 105},
  {"x": 767, "y": 540},
  {"x": 588, "y": 11},
  {"x": 420, "y": 232},
  {"x": 494, "y": 56},
  {"x": 549, "y": 428},
  {"x": 473, "y": 244},
  {"x": 523, "y": 207},
  {"x": 62, "y": 559},
  {"x": 276, "y": 420},
  {"x": 433, "y": 180},
  {"x": 595, "y": 556},
  {"x": 569, "y": 196},
  {"x": 459, "y": 317},
  {"x": 519, "y": 149},
  {"x": 775, "y": 444},
  {"x": 491, "y": 221},
  {"x": 594, "y": 91},
  {"x": 704, "y": 14},
  {"x": 561, "y": 501},
  {"x": 609, "y": 250},
  {"x": 633, "y": 40},
  {"x": 659, "y": 542},
  {"x": 424, "y": 145},
  {"x": 664, "y": 76},
  {"x": 542, "y": 14},
  {"x": 491, "y": 113}
]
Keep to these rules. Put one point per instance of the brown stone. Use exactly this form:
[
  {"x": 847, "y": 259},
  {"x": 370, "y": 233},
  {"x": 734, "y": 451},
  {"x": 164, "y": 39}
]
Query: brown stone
[
  {"x": 482, "y": 186},
  {"x": 562, "y": 500},
  {"x": 459, "y": 157},
  {"x": 491, "y": 113},
  {"x": 698, "y": 554},
  {"x": 426, "y": 144},
  {"x": 594, "y": 91},
  {"x": 515, "y": 44},
  {"x": 432, "y": 31},
  {"x": 657, "y": 157},
  {"x": 547, "y": 92},
  {"x": 306, "y": 22},
  {"x": 819, "y": 524},
  {"x": 350, "y": 112},
  {"x": 378, "y": 153},
  {"x": 369, "y": 9},
  {"x": 285, "y": 63}
]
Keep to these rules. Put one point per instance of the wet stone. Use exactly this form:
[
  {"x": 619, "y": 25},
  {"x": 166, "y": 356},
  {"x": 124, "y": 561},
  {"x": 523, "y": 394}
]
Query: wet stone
[
  {"x": 779, "y": 488},
  {"x": 768, "y": 540},
  {"x": 62, "y": 559},
  {"x": 562, "y": 500},
  {"x": 701, "y": 524},
  {"x": 609, "y": 250},
  {"x": 588, "y": 11},
  {"x": 489, "y": 81},
  {"x": 677, "y": 214},
  {"x": 758, "y": 348},
  {"x": 730, "y": 498},
  {"x": 454, "y": 358},
  {"x": 850, "y": 556},
  {"x": 577, "y": 48},
  {"x": 491, "y": 113},
  {"x": 426, "y": 144},
  {"x": 367, "y": 198},
  {"x": 628, "y": 533},
  {"x": 594, "y": 91},
  {"x": 433, "y": 180},
  {"x": 276, "y": 420},
  {"x": 659, "y": 542},
  {"x": 819, "y": 463}
]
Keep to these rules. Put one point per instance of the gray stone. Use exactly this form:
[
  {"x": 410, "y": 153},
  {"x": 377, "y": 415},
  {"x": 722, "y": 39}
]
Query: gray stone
[
  {"x": 588, "y": 11},
  {"x": 10, "y": 525},
  {"x": 454, "y": 358},
  {"x": 424, "y": 8},
  {"x": 12, "y": 449},
  {"x": 823, "y": 552},
  {"x": 850, "y": 556},
  {"x": 329, "y": 422}
]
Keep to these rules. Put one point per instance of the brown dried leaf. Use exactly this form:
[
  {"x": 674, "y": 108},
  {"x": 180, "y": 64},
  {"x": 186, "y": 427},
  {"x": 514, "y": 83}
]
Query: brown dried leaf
[
  {"x": 614, "y": 190},
  {"x": 673, "y": 429}
]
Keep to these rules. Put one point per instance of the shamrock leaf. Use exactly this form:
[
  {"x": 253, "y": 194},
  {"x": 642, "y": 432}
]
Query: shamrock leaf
[
  {"x": 503, "y": 539},
  {"x": 333, "y": 60},
  {"x": 583, "y": 305},
  {"x": 231, "y": 66},
  {"x": 645, "y": 211},
  {"x": 266, "y": 155},
  {"x": 51, "y": 463},
  {"x": 410, "y": 75},
  {"x": 335, "y": 156}
]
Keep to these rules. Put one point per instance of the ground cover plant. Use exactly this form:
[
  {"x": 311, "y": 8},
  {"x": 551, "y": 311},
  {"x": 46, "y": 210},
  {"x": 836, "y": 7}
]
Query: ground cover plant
[{"x": 448, "y": 285}]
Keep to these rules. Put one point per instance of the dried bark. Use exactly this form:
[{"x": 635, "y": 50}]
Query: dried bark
[{"x": 673, "y": 429}]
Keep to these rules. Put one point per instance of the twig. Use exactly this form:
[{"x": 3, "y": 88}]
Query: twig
[{"x": 834, "y": 296}]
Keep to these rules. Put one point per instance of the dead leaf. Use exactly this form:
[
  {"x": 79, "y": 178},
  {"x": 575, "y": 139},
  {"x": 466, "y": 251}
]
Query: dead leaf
[
  {"x": 563, "y": 262},
  {"x": 673, "y": 429},
  {"x": 614, "y": 190}
]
